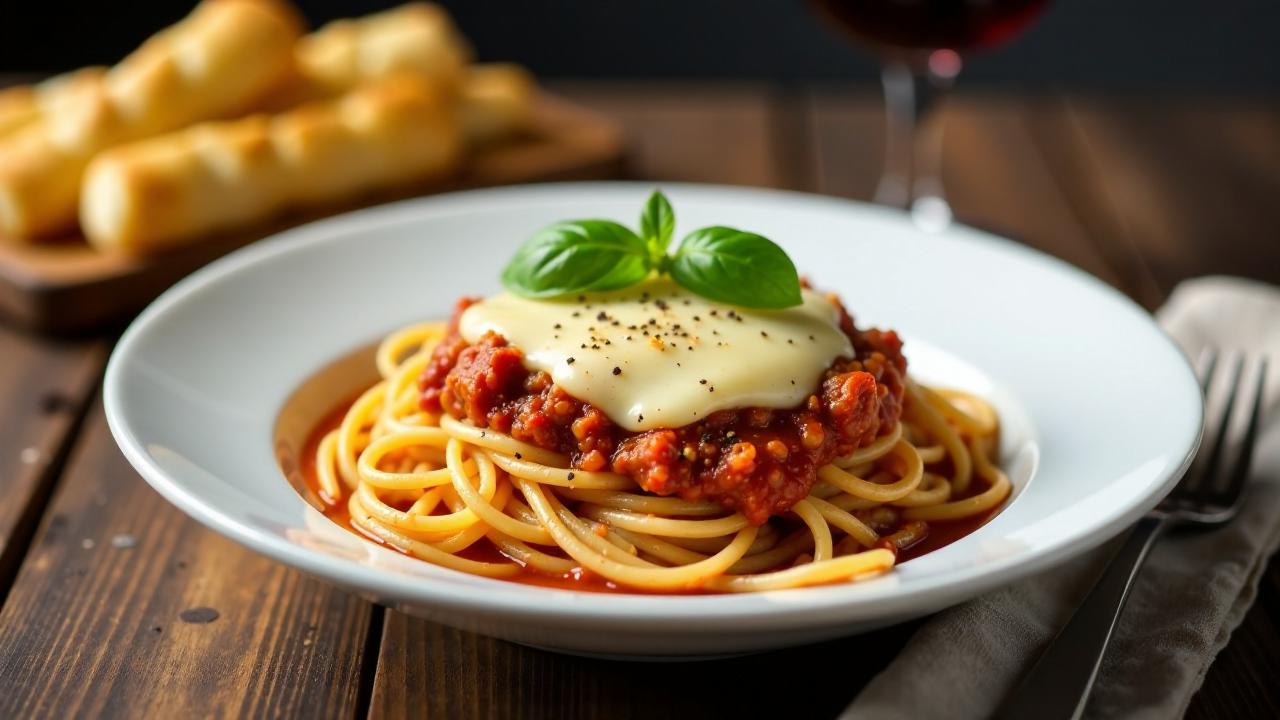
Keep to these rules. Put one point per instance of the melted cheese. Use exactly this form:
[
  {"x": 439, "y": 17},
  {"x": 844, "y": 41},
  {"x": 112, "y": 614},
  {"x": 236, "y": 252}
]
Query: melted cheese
[{"x": 655, "y": 355}]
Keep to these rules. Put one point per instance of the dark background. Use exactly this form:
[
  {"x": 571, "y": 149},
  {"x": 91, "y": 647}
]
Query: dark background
[{"x": 1110, "y": 45}]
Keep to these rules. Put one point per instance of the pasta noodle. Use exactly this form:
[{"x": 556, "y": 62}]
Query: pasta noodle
[{"x": 438, "y": 488}]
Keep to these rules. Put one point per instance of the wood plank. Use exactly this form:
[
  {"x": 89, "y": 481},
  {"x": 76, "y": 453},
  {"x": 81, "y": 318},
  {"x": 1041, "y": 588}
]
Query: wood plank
[
  {"x": 44, "y": 387},
  {"x": 994, "y": 175},
  {"x": 1179, "y": 189},
  {"x": 126, "y": 608},
  {"x": 695, "y": 133},
  {"x": 430, "y": 671}
]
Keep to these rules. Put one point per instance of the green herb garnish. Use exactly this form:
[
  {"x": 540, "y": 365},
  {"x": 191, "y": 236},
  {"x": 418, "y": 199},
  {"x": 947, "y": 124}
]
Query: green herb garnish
[{"x": 718, "y": 263}]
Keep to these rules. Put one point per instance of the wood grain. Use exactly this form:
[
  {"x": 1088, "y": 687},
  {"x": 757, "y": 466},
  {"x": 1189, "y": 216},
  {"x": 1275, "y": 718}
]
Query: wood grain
[
  {"x": 1179, "y": 189},
  {"x": 44, "y": 386},
  {"x": 717, "y": 134},
  {"x": 430, "y": 671},
  {"x": 68, "y": 286},
  {"x": 113, "y": 613}
]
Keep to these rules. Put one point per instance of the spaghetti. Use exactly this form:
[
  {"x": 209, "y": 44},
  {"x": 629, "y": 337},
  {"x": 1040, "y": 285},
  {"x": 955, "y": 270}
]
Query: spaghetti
[{"x": 442, "y": 489}]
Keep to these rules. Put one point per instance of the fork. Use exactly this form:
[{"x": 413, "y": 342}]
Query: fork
[{"x": 1208, "y": 495}]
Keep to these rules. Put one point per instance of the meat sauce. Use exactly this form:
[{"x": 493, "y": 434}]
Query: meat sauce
[
  {"x": 758, "y": 461},
  {"x": 941, "y": 533}
]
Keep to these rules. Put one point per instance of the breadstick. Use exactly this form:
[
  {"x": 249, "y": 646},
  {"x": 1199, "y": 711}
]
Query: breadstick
[
  {"x": 167, "y": 190},
  {"x": 496, "y": 102},
  {"x": 418, "y": 37},
  {"x": 23, "y": 104},
  {"x": 214, "y": 63}
]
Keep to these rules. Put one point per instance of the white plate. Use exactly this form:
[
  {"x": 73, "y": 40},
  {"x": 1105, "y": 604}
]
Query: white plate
[{"x": 1101, "y": 412}]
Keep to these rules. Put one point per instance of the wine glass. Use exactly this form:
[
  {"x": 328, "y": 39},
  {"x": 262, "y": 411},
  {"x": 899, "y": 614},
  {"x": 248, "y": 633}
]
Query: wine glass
[{"x": 919, "y": 43}]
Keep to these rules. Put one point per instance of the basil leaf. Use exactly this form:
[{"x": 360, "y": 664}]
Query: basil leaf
[
  {"x": 576, "y": 256},
  {"x": 657, "y": 223},
  {"x": 736, "y": 267}
]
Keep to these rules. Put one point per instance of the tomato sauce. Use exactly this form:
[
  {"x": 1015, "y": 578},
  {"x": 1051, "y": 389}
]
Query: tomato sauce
[{"x": 941, "y": 533}]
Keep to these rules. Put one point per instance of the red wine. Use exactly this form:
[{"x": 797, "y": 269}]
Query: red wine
[{"x": 931, "y": 24}]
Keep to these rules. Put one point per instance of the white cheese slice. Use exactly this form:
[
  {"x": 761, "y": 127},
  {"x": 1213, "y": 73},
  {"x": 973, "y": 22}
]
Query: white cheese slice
[{"x": 658, "y": 356}]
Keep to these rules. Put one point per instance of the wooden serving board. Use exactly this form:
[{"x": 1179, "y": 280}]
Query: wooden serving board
[{"x": 67, "y": 286}]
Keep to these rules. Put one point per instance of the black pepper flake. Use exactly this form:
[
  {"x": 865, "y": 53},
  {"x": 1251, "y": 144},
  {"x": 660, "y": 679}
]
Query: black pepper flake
[
  {"x": 697, "y": 319},
  {"x": 793, "y": 382},
  {"x": 711, "y": 389},
  {"x": 714, "y": 312},
  {"x": 811, "y": 337},
  {"x": 687, "y": 302},
  {"x": 518, "y": 456},
  {"x": 628, "y": 337},
  {"x": 653, "y": 321},
  {"x": 575, "y": 313},
  {"x": 702, "y": 382},
  {"x": 690, "y": 347},
  {"x": 608, "y": 342},
  {"x": 569, "y": 476},
  {"x": 640, "y": 418},
  {"x": 595, "y": 347},
  {"x": 570, "y": 361},
  {"x": 557, "y": 326},
  {"x": 615, "y": 323},
  {"x": 617, "y": 370},
  {"x": 790, "y": 341},
  {"x": 602, "y": 316},
  {"x": 764, "y": 334},
  {"x": 583, "y": 346},
  {"x": 661, "y": 304}
]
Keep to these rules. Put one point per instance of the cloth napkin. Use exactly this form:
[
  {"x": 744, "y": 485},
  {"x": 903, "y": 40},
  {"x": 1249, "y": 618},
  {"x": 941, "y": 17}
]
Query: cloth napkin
[{"x": 1194, "y": 589}]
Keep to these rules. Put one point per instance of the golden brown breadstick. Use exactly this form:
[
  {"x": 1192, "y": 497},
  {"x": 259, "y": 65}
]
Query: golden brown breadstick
[
  {"x": 163, "y": 191},
  {"x": 23, "y": 104},
  {"x": 496, "y": 102},
  {"x": 214, "y": 63},
  {"x": 418, "y": 37}
]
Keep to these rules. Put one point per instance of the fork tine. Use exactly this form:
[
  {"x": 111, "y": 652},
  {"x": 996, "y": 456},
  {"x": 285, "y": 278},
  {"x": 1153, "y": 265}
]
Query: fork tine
[
  {"x": 1206, "y": 368},
  {"x": 1220, "y": 393},
  {"x": 1205, "y": 365},
  {"x": 1243, "y": 448}
]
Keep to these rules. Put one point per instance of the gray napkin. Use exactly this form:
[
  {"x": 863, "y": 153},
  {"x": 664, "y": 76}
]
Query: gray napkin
[{"x": 1193, "y": 591}]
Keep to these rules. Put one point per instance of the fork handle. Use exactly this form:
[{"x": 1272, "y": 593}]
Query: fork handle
[{"x": 1058, "y": 685}]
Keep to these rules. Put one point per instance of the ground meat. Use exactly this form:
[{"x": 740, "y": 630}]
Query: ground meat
[{"x": 759, "y": 461}]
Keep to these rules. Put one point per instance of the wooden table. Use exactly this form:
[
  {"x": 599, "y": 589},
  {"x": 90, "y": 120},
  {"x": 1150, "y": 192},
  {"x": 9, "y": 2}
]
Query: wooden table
[{"x": 115, "y": 603}]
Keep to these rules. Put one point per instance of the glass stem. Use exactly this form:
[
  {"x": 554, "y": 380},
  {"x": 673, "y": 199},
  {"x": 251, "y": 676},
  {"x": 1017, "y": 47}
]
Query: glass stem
[{"x": 913, "y": 139}]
